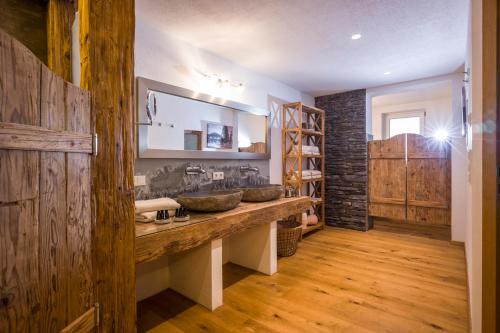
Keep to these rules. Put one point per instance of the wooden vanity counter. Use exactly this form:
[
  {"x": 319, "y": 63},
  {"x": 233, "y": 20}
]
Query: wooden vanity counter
[{"x": 153, "y": 241}]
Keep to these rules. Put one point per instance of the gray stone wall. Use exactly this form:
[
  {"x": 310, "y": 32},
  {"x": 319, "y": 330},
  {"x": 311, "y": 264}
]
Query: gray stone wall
[
  {"x": 167, "y": 177},
  {"x": 345, "y": 159}
]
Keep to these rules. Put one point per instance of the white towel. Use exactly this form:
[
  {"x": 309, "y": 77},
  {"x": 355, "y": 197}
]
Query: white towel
[
  {"x": 145, "y": 217},
  {"x": 154, "y": 205},
  {"x": 311, "y": 150}
]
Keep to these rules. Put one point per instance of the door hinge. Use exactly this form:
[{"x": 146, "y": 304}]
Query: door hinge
[
  {"x": 95, "y": 144},
  {"x": 96, "y": 314}
]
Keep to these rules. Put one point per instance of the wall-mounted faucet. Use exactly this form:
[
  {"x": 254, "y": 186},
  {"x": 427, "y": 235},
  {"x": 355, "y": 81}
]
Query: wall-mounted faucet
[
  {"x": 195, "y": 170},
  {"x": 248, "y": 168}
]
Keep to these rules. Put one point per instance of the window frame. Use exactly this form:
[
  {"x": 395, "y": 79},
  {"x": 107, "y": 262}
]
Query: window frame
[{"x": 388, "y": 116}]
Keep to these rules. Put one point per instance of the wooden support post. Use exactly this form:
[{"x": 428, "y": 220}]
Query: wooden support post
[
  {"x": 60, "y": 17},
  {"x": 197, "y": 274},
  {"x": 107, "y": 71},
  {"x": 255, "y": 249}
]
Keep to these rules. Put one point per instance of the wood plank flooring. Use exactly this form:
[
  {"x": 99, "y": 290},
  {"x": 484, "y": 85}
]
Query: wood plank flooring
[
  {"x": 442, "y": 232},
  {"x": 339, "y": 281}
]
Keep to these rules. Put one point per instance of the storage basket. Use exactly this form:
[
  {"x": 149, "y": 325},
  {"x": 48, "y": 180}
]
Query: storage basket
[{"x": 289, "y": 233}]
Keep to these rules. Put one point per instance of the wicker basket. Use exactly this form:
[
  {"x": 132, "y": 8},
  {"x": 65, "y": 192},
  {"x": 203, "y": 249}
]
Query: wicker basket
[{"x": 289, "y": 233}]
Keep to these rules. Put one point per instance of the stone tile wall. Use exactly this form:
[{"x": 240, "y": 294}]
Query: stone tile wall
[
  {"x": 167, "y": 177},
  {"x": 345, "y": 159}
]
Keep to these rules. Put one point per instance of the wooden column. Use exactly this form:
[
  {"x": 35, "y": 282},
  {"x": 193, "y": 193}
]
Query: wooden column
[
  {"x": 60, "y": 17},
  {"x": 107, "y": 71},
  {"x": 491, "y": 159}
]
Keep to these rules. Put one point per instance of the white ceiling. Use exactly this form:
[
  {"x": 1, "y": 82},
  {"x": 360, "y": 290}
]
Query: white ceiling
[{"x": 307, "y": 44}]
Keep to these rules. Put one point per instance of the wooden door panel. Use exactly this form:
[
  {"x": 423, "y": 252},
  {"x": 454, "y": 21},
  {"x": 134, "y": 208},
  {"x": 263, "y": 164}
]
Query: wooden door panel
[
  {"x": 429, "y": 190},
  {"x": 19, "y": 262},
  {"x": 390, "y": 211},
  {"x": 46, "y": 279},
  {"x": 387, "y": 178},
  {"x": 428, "y": 215},
  {"x": 427, "y": 181}
]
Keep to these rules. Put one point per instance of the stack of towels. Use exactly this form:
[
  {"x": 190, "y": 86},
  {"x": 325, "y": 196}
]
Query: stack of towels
[
  {"x": 308, "y": 174},
  {"x": 310, "y": 150},
  {"x": 307, "y": 150},
  {"x": 145, "y": 210},
  {"x": 311, "y": 174}
]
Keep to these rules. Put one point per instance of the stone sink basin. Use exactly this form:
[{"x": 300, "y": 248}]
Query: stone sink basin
[
  {"x": 260, "y": 193},
  {"x": 211, "y": 201}
]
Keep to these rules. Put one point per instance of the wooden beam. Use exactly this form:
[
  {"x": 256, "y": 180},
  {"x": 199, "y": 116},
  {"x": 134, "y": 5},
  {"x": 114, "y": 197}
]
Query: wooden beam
[
  {"x": 60, "y": 17},
  {"x": 490, "y": 258},
  {"x": 107, "y": 31}
]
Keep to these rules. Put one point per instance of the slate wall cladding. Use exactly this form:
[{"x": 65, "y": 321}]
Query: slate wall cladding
[
  {"x": 167, "y": 178},
  {"x": 345, "y": 159}
]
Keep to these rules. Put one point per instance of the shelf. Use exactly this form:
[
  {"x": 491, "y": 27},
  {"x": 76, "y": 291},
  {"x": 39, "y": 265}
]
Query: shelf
[
  {"x": 304, "y": 156},
  {"x": 304, "y": 131},
  {"x": 311, "y": 132},
  {"x": 311, "y": 109},
  {"x": 294, "y": 137},
  {"x": 309, "y": 180},
  {"x": 312, "y": 227},
  {"x": 317, "y": 201}
]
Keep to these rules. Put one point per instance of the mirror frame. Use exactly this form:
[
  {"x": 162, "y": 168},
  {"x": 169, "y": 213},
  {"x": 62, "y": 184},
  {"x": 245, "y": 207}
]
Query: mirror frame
[{"x": 144, "y": 84}]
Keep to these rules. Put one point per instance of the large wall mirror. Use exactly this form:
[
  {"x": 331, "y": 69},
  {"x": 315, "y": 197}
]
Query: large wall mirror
[{"x": 174, "y": 122}]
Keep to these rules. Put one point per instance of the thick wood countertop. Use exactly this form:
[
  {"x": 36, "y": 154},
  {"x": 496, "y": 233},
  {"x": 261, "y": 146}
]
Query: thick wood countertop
[{"x": 153, "y": 241}]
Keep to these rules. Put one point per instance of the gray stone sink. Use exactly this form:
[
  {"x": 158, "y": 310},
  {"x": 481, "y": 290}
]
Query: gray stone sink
[
  {"x": 211, "y": 201},
  {"x": 260, "y": 193}
]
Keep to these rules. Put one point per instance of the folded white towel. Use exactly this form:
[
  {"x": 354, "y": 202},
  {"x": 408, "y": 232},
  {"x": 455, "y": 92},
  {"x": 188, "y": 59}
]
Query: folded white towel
[
  {"x": 311, "y": 150},
  {"x": 310, "y": 174},
  {"x": 145, "y": 217},
  {"x": 154, "y": 205}
]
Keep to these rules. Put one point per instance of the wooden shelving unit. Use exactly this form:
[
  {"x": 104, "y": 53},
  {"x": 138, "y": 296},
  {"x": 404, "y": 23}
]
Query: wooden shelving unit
[{"x": 305, "y": 126}]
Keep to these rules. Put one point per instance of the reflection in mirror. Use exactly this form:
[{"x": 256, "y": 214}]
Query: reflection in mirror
[{"x": 200, "y": 129}]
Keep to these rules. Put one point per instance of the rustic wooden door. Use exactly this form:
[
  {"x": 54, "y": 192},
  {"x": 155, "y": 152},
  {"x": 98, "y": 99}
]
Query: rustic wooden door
[
  {"x": 428, "y": 180},
  {"x": 409, "y": 179},
  {"x": 387, "y": 178},
  {"x": 46, "y": 282}
]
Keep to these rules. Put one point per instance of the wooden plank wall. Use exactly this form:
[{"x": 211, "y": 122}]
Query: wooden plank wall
[
  {"x": 45, "y": 218},
  {"x": 409, "y": 179},
  {"x": 107, "y": 71}
]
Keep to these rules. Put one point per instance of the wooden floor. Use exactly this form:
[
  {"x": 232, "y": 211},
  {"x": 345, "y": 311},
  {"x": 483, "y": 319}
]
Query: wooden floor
[
  {"x": 442, "y": 232},
  {"x": 339, "y": 281}
]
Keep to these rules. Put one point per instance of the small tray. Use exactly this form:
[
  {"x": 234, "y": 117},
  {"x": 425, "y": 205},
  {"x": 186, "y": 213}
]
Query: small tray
[{"x": 182, "y": 219}]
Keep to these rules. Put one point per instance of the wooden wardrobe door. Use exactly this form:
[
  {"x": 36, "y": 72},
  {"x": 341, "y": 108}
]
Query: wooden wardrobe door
[{"x": 46, "y": 282}]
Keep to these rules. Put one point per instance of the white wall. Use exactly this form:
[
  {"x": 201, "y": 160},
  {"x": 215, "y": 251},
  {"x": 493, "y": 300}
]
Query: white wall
[
  {"x": 438, "y": 115},
  {"x": 440, "y": 112},
  {"x": 473, "y": 239},
  {"x": 163, "y": 58}
]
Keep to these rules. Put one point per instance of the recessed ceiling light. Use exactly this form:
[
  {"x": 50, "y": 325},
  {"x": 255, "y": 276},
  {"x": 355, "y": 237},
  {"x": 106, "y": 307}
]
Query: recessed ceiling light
[
  {"x": 387, "y": 73},
  {"x": 356, "y": 36}
]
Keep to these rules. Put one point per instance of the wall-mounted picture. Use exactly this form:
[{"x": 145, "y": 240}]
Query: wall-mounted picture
[{"x": 219, "y": 136}]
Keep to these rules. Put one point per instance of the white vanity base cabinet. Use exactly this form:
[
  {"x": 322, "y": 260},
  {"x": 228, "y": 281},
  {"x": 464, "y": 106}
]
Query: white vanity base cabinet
[
  {"x": 197, "y": 274},
  {"x": 255, "y": 249}
]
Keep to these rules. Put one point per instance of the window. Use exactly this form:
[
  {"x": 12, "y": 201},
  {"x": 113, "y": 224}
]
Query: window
[{"x": 404, "y": 122}]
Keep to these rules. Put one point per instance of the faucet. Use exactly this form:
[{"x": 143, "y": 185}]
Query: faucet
[
  {"x": 248, "y": 168},
  {"x": 194, "y": 170}
]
